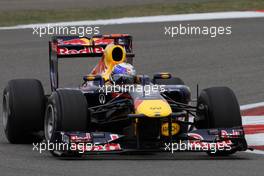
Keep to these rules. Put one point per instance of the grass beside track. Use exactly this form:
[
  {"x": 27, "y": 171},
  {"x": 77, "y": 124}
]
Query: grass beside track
[{"x": 8, "y": 18}]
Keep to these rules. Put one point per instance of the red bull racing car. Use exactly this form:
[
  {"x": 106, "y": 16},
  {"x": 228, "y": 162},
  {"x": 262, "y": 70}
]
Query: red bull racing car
[{"x": 150, "y": 114}]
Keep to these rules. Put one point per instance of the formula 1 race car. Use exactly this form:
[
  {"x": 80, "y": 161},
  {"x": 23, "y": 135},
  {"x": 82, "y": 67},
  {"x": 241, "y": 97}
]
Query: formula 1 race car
[{"x": 148, "y": 115}]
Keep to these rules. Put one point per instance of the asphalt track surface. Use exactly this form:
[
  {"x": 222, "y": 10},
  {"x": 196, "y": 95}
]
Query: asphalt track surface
[
  {"x": 235, "y": 61},
  {"x": 11, "y": 5}
]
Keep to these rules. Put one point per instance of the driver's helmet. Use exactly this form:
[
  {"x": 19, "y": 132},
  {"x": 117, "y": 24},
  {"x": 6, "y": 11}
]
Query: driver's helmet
[{"x": 123, "y": 73}]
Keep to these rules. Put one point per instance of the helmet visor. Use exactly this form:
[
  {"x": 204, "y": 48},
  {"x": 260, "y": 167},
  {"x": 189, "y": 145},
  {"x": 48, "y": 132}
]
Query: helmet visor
[{"x": 123, "y": 79}]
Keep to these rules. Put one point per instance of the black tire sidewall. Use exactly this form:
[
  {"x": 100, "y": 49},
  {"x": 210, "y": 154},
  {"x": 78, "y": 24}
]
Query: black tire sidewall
[
  {"x": 222, "y": 109},
  {"x": 27, "y": 105},
  {"x": 69, "y": 115},
  {"x": 55, "y": 103}
]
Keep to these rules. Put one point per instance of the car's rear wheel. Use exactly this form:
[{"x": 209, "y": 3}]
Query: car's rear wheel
[
  {"x": 66, "y": 111},
  {"x": 218, "y": 108},
  {"x": 23, "y": 110}
]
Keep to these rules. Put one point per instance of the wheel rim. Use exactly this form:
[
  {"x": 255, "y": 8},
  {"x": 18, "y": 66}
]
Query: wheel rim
[
  {"x": 49, "y": 122},
  {"x": 6, "y": 110}
]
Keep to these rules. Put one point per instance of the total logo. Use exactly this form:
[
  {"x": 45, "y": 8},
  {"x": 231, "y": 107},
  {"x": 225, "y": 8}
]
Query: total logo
[{"x": 165, "y": 129}]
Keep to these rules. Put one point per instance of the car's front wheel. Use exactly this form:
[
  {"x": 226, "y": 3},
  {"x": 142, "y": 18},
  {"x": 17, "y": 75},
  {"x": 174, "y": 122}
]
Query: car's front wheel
[
  {"x": 66, "y": 111},
  {"x": 218, "y": 108}
]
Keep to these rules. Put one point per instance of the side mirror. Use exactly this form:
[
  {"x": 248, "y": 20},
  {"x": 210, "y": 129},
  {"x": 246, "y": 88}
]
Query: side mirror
[
  {"x": 97, "y": 79},
  {"x": 162, "y": 75}
]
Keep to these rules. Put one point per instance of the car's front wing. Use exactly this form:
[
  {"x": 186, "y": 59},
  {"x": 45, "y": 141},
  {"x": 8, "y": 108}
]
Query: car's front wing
[{"x": 209, "y": 140}]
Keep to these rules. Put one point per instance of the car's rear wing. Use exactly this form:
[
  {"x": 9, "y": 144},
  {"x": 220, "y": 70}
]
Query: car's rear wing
[{"x": 75, "y": 46}]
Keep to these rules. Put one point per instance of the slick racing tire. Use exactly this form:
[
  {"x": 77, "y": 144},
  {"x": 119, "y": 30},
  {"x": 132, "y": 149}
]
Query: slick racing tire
[
  {"x": 170, "y": 81},
  {"x": 23, "y": 110},
  {"x": 221, "y": 108},
  {"x": 218, "y": 108},
  {"x": 66, "y": 110}
]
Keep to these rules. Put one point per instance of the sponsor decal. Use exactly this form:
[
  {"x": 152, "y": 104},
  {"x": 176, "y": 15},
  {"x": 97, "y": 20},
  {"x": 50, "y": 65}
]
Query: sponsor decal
[
  {"x": 85, "y": 50},
  {"x": 114, "y": 136},
  {"x": 78, "y": 41},
  {"x": 165, "y": 129},
  {"x": 81, "y": 148},
  {"x": 86, "y": 138},
  {"x": 99, "y": 41},
  {"x": 102, "y": 99}
]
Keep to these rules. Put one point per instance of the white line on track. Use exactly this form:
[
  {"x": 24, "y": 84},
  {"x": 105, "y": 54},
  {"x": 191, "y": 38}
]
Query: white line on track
[
  {"x": 253, "y": 120},
  {"x": 150, "y": 19},
  {"x": 254, "y": 139},
  {"x": 250, "y": 106}
]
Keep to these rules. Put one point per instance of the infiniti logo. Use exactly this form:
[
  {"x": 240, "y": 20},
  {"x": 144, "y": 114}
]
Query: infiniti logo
[
  {"x": 102, "y": 99},
  {"x": 155, "y": 108}
]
